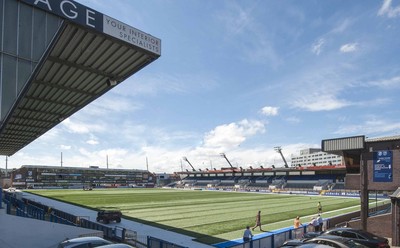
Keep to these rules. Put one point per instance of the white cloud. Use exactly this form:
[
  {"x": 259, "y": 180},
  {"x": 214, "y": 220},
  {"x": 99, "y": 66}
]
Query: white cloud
[
  {"x": 316, "y": 47},
  {"x": 232, "y": 135},
  {"x": 320, "y": 103},
  {"x": 65, "y": 147},
  {"x": 50, "y": 135},
  {"x": 116, "y": 153},
  {"x": 116, "y": 157},
  {"x": 81, "y": 128},
  {"x": 389, "y": 11},
  {"x": 347, "y": 48},
  {"x": 113, "y": 102},
  {"x": 269, "y": 111},
  {"x": 393, "y": 82},
  {"x": 92, "y": 142},
  {"x": 369, "y": 127},
  {"x": 343, "y": 26},
  {"x": 320, "y": 87}
]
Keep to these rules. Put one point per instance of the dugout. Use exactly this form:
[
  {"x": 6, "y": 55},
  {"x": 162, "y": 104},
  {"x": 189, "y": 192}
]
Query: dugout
[
  {"x": 372, "y": 165},
  {"x": 55, "y": 58}
]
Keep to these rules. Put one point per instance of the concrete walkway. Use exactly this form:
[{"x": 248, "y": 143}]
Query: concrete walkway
[{"x": 19, "y": 232}]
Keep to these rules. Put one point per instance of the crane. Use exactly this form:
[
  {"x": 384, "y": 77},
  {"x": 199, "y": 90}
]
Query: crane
[
  {"x": 224, "y": 156},
  {"x": 279, "y": 150},
  {"x": 185, "y": 159}
]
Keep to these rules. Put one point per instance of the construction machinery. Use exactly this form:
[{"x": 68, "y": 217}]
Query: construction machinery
[{"x": 279, "y": 150}]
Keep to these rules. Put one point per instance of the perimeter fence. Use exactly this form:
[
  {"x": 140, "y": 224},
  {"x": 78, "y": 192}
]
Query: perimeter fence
[{"x": 23, "y": 207}]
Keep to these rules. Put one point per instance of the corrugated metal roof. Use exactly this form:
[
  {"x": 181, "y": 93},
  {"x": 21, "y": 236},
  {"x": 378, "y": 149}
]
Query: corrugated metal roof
[
  {"x": 53, "y": 168},
  {"x": 346, "y": 143},
  {"x": 74, "y": 72},
  {"x": 382, "y": 139}
]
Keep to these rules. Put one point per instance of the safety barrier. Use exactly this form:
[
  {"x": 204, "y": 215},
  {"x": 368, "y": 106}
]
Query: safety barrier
[
  {"x": 107, "y": 231},
  {"x": 270, "y": 239},
  {"x": 35, "y": 212},
  {"x": 30, "y": 209},
  {"x": 61, "y": 217},
  {"x": 159, "y": 243}
]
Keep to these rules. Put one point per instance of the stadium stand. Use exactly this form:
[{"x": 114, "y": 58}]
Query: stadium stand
[{"x": 312, "y": 178}]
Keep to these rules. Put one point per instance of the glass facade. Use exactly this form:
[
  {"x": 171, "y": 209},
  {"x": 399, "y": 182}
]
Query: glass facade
[{"x": 25, "y": 34}]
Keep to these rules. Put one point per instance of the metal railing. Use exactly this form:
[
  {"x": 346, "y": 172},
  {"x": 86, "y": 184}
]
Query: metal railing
[
  {"x": 159, "y": 243},
  {"x": 271, "y": 239},
  {"x": 29, "y": 209}
]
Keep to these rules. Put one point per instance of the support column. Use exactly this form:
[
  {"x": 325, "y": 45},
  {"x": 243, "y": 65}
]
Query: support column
[
  {"x": 363, "y": 193},
  {"x": 395, "y": 222}
]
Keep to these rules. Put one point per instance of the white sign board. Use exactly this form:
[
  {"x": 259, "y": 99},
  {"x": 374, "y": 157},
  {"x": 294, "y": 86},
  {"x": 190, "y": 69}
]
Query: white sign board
[{"x": 131, "y": 35}]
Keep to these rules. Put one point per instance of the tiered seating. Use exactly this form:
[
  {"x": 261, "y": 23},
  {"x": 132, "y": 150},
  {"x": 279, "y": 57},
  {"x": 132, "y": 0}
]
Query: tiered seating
[
  {"x": 322, "y": 184},
  {"x": 307, "y": 182},
  {"x": 301, "y": 184},
  {"x": 204, "y": 183},
  {"x": 227, "y": 183},
  {"x": 261, "y": 182},
  {"x": 277, "y": 183},
  {"x": 339, "y": 185},
  {"x": 188, "y": 182}
]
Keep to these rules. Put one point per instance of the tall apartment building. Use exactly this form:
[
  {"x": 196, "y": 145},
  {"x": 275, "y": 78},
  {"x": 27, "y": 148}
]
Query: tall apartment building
[{"x": 315, "y": 157}]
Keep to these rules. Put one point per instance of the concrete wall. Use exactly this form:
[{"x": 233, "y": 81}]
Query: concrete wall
[
  {"x": 5, "y": 183},
  {"x": 352, "y": 181},
  {"x": 379, "y": 225},
  {"x": 342, "y": 219}
]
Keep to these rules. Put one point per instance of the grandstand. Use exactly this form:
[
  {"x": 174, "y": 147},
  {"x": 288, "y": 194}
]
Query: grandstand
[
  {"x": 36, "y": 176},
  {"x": 314, "y": 178}
]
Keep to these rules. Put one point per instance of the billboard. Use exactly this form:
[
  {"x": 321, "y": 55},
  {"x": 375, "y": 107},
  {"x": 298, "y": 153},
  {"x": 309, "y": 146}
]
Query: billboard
[
  {"x": 91, "y": 18},
  {"x": 382, "y": 166}
]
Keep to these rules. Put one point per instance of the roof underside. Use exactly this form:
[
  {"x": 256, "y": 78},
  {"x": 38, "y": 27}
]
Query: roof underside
[{"x": 73, "y": 73}]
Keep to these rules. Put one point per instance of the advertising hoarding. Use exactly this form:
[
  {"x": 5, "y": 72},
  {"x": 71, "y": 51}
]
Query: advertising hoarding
[{"x": 383, "y": 166}]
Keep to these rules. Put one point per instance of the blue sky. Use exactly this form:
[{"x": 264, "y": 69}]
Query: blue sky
[{"x": 237, "y": 77}]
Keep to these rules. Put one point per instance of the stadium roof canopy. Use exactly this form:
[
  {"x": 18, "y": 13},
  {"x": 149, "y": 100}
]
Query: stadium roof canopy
[{"x": 89, "y": 55}]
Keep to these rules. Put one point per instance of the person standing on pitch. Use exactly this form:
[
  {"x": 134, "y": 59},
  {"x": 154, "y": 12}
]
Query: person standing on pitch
[
  {"x": 258, "y": 222},
  {"x": 319, "y": 207}
]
